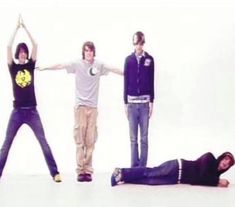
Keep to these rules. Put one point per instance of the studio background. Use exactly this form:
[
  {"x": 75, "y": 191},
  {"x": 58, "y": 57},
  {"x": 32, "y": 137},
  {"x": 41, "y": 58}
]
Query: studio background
[{"x": 193, "y": 47}]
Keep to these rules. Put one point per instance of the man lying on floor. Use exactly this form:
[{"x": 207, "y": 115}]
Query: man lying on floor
[{"x": 206, "y": 170}]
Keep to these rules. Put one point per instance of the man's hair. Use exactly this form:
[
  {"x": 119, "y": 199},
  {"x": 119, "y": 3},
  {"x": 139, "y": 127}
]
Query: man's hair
[
  {"x": 226, "y": 154},
  {"x": 90, "y": 45},
  {"x": 21, "y": 46},
  {"x": 138, "y": 38}
]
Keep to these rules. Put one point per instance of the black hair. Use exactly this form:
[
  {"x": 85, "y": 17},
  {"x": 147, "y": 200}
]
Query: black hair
[
  {"x": 90, "y": 45},
  {"x": 222, "y": 156},
  {"x": 21, "y": 46}
]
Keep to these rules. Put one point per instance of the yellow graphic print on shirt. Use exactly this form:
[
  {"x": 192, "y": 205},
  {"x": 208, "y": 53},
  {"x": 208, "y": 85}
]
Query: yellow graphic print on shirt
[{"x": 23, "y": 78}]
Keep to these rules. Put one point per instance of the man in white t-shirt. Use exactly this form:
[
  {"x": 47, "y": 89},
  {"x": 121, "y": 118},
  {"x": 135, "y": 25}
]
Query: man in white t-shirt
[{"x": 87, "y": 72}]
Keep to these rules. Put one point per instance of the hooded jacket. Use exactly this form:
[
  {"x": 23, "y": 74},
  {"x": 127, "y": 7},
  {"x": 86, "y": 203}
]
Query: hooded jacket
[
  {"x": 139, "y": 77},
  {"x": 203, "y": 171}
]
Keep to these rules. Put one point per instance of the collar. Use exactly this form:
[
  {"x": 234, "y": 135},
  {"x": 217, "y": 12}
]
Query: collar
[
  {"x": 87, "y": 62},
  {"x": 141, "y": 55}
]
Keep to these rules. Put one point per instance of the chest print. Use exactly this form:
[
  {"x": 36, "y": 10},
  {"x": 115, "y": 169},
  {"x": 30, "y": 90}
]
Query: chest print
[
  {"x": 23, "y": 78},
  {"x": 92, "y": 71},
  {"x": 147, "y": 62}
]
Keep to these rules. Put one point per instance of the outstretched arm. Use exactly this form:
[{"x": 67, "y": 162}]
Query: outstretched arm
[
  {"x": 10, "y": 43},
  {"x": 54, "y": 67},
  {"x": 34, "y": 44},
  {"x": 115, "y": 70}
]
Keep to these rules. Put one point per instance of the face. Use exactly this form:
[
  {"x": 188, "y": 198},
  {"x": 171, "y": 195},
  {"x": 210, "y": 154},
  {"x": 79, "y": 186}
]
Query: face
[
  {"x": 139, "y": 48},
  {"x": 22, "y": 56},
  {"x": 88, "y": 54},
  {"x": 225, "y": 163}
]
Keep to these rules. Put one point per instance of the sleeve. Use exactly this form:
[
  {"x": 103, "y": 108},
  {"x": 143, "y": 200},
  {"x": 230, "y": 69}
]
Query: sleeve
[
  {"x": 152, "y": 81},
  {"x": 104, "y": 69},
  {"x": 71, "y": 67},
  {"x": 125, "y": 80},
  {"x": 32, "y": 63}
]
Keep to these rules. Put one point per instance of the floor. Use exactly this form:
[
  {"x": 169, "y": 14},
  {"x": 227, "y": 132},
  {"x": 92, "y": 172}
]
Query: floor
[{"x": 41, "y": 191}]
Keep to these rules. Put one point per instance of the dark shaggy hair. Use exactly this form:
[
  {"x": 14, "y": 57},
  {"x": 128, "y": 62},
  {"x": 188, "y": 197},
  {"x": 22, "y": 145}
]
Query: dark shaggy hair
[
  {"x": 90, "y": 45},
  {"x": 21, "y": 46}
]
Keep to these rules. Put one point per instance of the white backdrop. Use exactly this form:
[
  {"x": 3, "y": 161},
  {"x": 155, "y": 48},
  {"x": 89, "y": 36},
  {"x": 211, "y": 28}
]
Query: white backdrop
[{"x": 193, "y": 46}]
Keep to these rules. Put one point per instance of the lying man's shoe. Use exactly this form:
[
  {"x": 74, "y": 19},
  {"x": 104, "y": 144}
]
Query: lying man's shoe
[{"x": 116, "y": 177}]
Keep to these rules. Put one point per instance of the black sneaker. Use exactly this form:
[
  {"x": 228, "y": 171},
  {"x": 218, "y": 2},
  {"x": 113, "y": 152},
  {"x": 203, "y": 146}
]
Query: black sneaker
[
  {"x": 81, "y": 178},
  {"x": 88, "y": 177}
]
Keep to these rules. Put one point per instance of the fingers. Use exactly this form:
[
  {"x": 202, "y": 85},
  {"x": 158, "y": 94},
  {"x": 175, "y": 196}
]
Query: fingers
[
  {"x": 40, "y": 68},
  {"x": 150, "y": 109},
  {"x": 150, "y": 112},
  {"x": 126, "y": 110},
  {"x": 223, "y": 183},
  {"x": 20, "y": 22},
  {"x": 21, "y": 19}
]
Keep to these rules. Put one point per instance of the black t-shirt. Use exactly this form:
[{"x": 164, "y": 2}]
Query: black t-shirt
[{"x": 22, "y": 77}]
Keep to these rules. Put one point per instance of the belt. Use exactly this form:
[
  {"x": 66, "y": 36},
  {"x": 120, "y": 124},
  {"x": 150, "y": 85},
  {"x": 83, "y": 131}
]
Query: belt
[
  {"x": 25, "y": 107},
  {"x": 180, "y": 171},
  {"x": 138, "y": 99}
]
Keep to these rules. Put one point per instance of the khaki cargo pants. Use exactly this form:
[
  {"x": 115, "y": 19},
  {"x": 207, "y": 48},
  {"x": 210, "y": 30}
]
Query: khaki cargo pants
[{"x": 85, "y": 134}]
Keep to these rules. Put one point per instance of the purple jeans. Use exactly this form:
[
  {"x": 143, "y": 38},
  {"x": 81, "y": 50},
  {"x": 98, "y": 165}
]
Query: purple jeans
[
  {"x": 29, "y": 116},
  {"x": 138, "y": 116}
]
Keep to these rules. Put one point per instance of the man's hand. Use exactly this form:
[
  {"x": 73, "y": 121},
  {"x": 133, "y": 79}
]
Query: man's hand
[
  {"x": 41, "y": 68},
  {"x": 223, "y": 183},
  {"x": 150, "y": 109},
  {"x": 126, "y": 110}
]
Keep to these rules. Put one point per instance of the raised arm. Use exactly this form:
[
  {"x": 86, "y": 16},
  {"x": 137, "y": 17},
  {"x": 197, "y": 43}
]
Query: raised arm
[
  {"x": 34, "y": 44},
  {"x": 10, "y": 43}
]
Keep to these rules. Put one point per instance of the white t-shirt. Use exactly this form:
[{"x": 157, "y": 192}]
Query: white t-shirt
[{"x": 87, "y": 78}]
